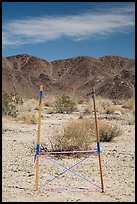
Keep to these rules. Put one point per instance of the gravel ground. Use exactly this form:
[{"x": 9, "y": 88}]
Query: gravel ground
[{"x": 18, "y": 168}]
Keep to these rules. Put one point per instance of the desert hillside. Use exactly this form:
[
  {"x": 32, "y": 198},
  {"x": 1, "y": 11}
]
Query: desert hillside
[{"x": 113, "y": 76}]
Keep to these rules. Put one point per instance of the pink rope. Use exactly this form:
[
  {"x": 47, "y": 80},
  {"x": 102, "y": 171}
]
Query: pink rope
[
  {"x": 70, "y": 152},
  {"x": 71, "y": 189}
]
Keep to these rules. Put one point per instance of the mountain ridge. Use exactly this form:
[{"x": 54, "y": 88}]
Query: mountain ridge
[{"x": 113, "y": 76}]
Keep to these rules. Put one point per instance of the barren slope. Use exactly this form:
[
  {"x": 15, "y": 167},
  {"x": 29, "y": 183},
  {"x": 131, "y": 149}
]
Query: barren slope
[{"x": 113, "y": 76}]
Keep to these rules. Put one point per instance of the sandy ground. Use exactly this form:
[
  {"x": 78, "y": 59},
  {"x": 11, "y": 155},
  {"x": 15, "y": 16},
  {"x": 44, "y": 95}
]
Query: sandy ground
[{"x": 18, "y": 167}]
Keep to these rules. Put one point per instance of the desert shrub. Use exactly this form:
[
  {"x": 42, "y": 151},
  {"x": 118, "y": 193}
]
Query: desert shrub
[
  {"x": 129, "y": 104},
  {"x": 29, "y": 105},
  {"x": 114, "y": 109},
  {"x": 27, "y": 118},
  {"x": 109, "y": 106},
  {"x": 108, "y": 131},
  {"x": 64, "y": 104},
  {"x": 80, "y": 101},
  {"x": 86, "y": 107},
  {"x": 50, "y": 110},
  {"x": 49, "y": 101},
  {"x": 10, "y": 104},
  {"x": 75, "y": 135},
  {"x": 81, "y": 134},
  {"x": 103, "y": 104}
]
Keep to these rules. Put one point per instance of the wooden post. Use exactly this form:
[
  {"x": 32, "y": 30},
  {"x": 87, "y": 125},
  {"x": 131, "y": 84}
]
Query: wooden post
[
  {"x": 98, "y": 139},
  {"x": 38, "y": 137}
]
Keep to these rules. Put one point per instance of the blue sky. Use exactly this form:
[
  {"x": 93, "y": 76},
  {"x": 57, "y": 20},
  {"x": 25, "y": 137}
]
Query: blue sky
[{"x": 61, "y": 30}]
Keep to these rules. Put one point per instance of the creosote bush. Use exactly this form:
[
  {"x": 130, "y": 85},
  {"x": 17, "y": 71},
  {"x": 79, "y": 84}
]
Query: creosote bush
[{"x": 64, "y": 104}]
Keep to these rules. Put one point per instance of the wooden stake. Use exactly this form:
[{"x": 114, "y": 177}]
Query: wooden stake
[
  {"x": 98, "y": 139},
  {"x": 38, "y": 138}
]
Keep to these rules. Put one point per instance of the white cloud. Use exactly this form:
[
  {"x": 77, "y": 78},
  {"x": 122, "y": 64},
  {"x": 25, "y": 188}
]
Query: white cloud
[{"x": 77, "y": 27}]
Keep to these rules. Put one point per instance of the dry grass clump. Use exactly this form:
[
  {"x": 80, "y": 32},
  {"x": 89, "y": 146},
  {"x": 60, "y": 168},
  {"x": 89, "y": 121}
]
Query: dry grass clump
[
  {"x": 129, "y": 104},
  {"x": 49, "y": 101},
  {"x": 114, "y": 110},
  {"x": 108, "y": 131},
  {"x": 50, "y": 110},
  {"x": 28, "y": 105},
  {"x": 49, "y": 104},
  {"x": 109, "y": 107},
  {"x": 75, "y": 135},
  {"x": 103, "y": 104},
  {"x": 80, "y": 134},
  {"x": 28, "y": 118}
]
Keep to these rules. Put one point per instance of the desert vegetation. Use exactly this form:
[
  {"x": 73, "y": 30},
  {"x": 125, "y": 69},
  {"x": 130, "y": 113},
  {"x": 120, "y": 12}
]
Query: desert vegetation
[
  {"x": 129, "y": 104},
  {"x": 10, "y": 103},
  {"x": 64, "y": 104},
  {"x": 69, "y": 129},
  {"x": 28, "y": 118},
  {"x": 81, "y": 134},
  {"x": 77, "y": 134}
]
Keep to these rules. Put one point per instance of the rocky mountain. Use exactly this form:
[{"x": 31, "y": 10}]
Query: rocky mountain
[{"x": 112, "y": 76}]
